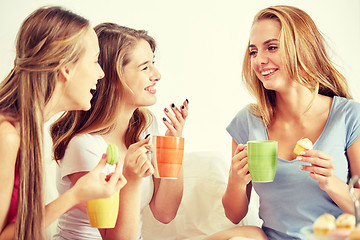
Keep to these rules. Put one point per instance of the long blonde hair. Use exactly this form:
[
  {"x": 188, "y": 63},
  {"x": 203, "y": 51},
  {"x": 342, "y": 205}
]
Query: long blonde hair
[
  {"x": 304, "y": 58},
  {"x": 48, "y": 38},
  {"x": 116, "y": 43}
]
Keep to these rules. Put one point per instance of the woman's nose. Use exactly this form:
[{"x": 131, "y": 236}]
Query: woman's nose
[
  {"x": 101, "y": 73},
  {"x": 156, "y": 75},
  {"x": 261, "y": 58}
]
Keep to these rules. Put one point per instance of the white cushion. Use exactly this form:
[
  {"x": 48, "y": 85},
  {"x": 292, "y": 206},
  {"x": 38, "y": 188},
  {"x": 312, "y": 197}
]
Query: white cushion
[{"x": 201, "y": 212}]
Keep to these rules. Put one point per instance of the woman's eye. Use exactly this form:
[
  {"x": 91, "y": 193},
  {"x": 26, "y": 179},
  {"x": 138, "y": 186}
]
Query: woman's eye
[
  {"x": 272, "y": 48},
  {"x": 252, "y": 53},
  {"x": 145, "y": 68}
]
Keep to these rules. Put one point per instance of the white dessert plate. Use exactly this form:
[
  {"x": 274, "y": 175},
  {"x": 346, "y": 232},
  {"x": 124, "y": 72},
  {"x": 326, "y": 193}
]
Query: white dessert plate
[{"x": 308, "y": 233}]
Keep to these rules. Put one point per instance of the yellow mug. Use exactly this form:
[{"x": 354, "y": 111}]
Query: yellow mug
[{"x": 103, "y": 212}]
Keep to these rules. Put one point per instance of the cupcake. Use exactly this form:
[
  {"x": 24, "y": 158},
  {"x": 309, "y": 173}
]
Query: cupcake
[
  {"x": 345, "y": 221},
  {"x": 324, "y": 224},
  {"x": 303, "y": 144}
]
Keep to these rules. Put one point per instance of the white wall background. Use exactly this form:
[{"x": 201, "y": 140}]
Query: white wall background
[{"x": 200, "y": 49}]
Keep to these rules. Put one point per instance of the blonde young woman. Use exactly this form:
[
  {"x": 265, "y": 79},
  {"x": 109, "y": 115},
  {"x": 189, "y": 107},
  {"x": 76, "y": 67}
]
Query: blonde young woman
[
  {"x": 118, "y": 116},
  {"x": 55, "y": 68},
  {"x": 299, "y": 94}
]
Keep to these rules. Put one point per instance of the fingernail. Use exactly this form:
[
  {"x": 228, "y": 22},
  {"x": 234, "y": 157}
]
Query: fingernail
[
  {"x": 302, "y": 153},
  {"x": 103, "y": 156},
  {"x": 147, "y": 136},
  {"x": 166, "y": 110},
  {"x": 187, "y": 100},
  {"x": 182, "y": 107},
  {"x": 164, "y": 119},
  {"x": 172, "y": 105}
]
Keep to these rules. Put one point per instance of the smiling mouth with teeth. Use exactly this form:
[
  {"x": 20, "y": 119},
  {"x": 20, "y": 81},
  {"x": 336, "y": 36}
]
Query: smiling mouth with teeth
[
  {"x": 93, "y": 90},
  {"x": 267, "y": 72},
  {"x": 150, "y": 89}
]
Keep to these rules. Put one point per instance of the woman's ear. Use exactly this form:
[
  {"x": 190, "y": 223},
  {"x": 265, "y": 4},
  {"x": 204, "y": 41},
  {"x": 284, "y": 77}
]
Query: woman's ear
[{"x": 64, "y": 73}]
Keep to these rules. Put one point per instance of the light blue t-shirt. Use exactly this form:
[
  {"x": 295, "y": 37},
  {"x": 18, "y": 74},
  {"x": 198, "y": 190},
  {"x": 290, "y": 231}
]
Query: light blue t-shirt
[{"x": 294, "y": 200}]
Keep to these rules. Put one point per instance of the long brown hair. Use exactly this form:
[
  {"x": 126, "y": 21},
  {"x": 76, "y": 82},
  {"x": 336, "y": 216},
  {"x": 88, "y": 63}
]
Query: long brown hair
[
  {"x": 304, "y": 57},
  {"x": 116, "y": 43},
  {"x": 48, "y": 38}
]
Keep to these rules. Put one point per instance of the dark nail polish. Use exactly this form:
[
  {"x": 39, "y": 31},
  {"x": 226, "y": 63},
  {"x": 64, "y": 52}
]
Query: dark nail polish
[
  {"x": 172, "y": 105},
  {"x": 147, "y": 136},
  {"x": 187, "y": 100},
  {"x": 166, "y": 110},
  {"x": 164, "y": 119},
  {"x": 182, "y": 107}
]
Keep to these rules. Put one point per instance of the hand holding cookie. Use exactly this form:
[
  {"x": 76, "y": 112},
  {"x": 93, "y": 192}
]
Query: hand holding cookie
[{"x": 321, "y": 166}]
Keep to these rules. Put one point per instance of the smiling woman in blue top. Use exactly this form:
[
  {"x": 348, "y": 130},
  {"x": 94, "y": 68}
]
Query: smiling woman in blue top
[{"x": 299, "y": 94}]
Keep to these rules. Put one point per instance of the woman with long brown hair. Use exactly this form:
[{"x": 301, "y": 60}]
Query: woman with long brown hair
[
  {"x": 118, "y": 115},
  {"x": 54, "y": 70},
  {"x": 299, "y": 94}
]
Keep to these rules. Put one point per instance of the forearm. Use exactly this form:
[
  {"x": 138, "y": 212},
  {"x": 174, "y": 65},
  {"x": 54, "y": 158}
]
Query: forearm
[
  {"x": 339, "y": 193},
  {"x": 167, "y": 198},
  {"x": 127, "y": 223},
  {"x": 235, "y": 201},
  {"x": 59, "y": 206},
  {"x": 8, "y": 233}
]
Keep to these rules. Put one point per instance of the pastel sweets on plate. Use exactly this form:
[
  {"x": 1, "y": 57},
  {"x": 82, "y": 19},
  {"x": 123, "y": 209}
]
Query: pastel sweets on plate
[
  {"x": 327, "y": 227},
  {"x": 345, "y": 221},
  {"x": 324, "y": 224}
]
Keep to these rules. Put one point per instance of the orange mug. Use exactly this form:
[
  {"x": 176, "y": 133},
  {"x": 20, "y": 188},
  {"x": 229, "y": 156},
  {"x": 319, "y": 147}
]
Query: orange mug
[{"x": 167, "y": 154}]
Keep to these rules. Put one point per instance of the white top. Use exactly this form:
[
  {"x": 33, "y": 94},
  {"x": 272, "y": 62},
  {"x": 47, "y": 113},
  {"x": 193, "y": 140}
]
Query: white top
[{"x": 82, "y": 155}]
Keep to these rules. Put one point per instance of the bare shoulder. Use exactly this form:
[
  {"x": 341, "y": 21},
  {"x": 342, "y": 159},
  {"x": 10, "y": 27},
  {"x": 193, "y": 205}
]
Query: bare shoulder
[{"x": 9, "y": 136}]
